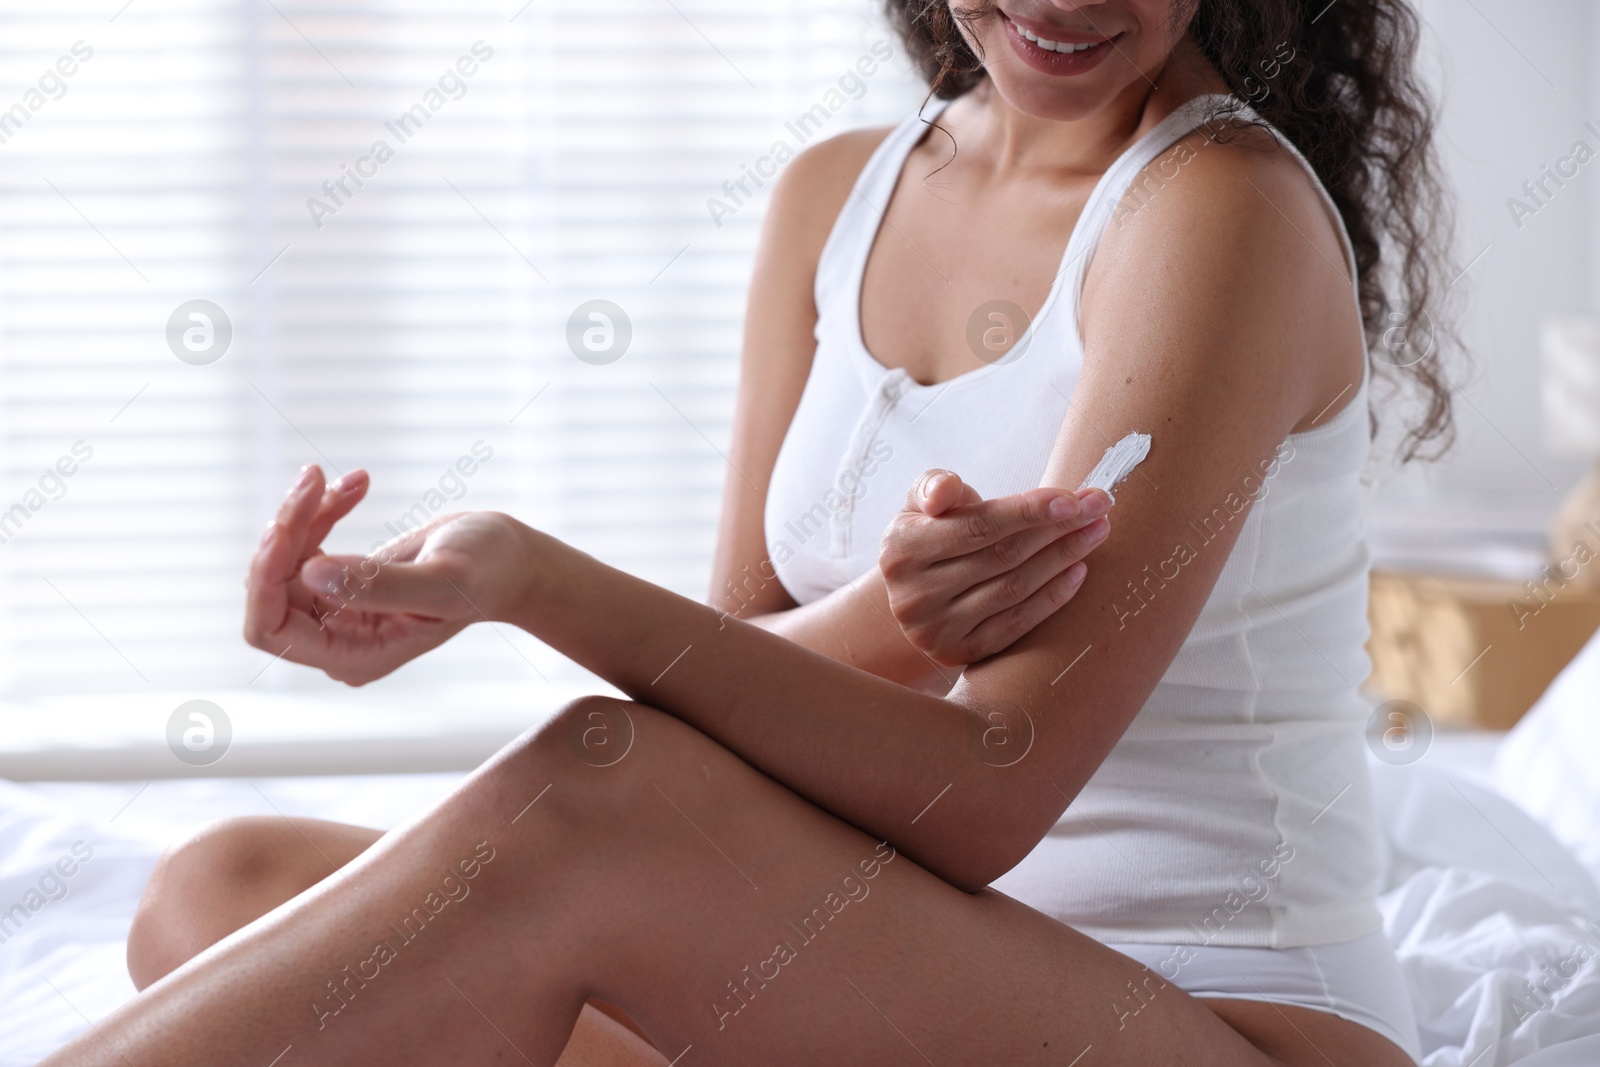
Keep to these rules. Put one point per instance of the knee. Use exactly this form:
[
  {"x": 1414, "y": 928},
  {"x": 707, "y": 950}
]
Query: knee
[
  {"x": 593, "y": 757},
  {"x": 199, "y": 892},
  {"x": 593, "y": 731},
  {"x": 596, "y": 785}
]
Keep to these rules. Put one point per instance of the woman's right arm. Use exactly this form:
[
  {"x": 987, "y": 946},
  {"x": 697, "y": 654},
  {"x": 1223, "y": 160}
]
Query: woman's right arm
[{"x": 965, "y": 577}]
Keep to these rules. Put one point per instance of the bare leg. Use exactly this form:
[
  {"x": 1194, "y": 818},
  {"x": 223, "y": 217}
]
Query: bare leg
[
  {"x": 734, "y": 920},
  {"x": 235, "y": 871},
  {"x": 227, "y": 876}
]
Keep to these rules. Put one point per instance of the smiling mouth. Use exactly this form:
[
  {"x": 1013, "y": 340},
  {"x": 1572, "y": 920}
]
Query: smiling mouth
[{"x": 1048, "y": 45}]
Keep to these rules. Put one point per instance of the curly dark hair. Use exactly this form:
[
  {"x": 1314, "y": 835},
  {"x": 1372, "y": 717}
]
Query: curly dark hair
[{"x": 1350, "y": 100}]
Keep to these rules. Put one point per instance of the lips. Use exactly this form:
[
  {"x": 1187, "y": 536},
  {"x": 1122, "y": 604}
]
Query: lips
[{"x": 1053, "y": 51}]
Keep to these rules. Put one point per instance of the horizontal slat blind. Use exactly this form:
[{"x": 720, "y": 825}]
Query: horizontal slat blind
[{"x": 204, "y": 150}]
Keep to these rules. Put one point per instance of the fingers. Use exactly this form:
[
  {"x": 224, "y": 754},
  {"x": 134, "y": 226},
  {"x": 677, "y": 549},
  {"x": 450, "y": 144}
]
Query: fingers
[
  {"x": 337, "y": 501},
  {"x": 967, "y": 528},
  {"x": 383, "y": 584},
  {"x": 295, "y": 513},
  {"x": 332, "y": 582},
  {"x": 999, "y": 632},
  {"x": 304, "y": 518},
  {"x": 937, "y": 491},
  {"x": 268, "y": 609},
  {"x": 267, "y": 597},
  {"x": 1095, "y": 503},
  {"x": 1011, "y": 588},
  {"x": 973, "y": 569}
]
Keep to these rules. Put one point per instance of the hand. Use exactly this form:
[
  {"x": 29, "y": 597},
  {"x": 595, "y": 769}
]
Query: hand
[
  {"x": 967, "y": 577},
  {"x": 358, "y": 618}
]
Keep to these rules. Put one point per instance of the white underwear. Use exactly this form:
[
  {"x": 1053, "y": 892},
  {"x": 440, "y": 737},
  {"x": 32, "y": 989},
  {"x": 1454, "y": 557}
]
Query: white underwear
[{"x": 1356, "y": 980}]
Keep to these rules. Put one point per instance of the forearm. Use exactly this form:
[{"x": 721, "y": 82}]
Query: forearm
[
  {"x": 873, "y": 752},
  {"x": 853, "y": 625}
]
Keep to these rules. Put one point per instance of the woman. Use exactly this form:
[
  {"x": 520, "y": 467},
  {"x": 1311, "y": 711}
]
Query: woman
[{"x": 780, "y": 852}]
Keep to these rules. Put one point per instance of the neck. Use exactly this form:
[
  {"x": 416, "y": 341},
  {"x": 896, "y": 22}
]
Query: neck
[{"x": 1011, "y": 142}]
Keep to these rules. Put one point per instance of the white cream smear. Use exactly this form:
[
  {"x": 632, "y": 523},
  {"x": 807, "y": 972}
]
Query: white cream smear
[{"x": 1117, "y": 463}]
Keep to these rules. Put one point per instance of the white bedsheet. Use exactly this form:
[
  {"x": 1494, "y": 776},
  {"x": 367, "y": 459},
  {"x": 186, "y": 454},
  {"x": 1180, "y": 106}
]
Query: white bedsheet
[
  {"x": 1482, "y": 901},
  {"x": 1496, "y": 924},
  {"x": 63, "y": 964}
]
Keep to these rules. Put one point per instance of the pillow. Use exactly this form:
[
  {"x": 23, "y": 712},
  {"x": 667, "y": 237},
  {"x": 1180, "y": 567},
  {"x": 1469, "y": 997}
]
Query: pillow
[{"x": 1550, "y": 762}]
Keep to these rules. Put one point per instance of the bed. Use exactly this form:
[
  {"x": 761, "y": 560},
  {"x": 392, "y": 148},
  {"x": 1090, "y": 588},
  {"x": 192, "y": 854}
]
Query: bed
[{"x": 1492, "y": 893}]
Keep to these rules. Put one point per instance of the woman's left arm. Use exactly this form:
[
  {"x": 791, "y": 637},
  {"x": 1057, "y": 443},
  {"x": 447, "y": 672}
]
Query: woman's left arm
[{"x": 1212, "y": 355}]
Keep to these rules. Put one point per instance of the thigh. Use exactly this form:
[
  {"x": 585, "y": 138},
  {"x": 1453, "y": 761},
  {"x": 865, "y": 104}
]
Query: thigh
[
  {"x": 272, "y": 859},
  {"x": 745, "y": 923}
]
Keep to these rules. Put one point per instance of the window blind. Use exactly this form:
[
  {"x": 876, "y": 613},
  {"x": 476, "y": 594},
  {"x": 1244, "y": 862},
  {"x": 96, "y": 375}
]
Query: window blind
[{"x": 394, "y": 216}]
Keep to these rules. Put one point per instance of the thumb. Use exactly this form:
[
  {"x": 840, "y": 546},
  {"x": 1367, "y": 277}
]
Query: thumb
[
  {"x": 371, "y": 583},
  {"x": 937, "y": 491}
]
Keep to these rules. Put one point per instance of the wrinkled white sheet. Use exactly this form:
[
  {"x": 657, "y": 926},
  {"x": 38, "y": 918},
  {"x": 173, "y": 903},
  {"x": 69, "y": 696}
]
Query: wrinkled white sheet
[
  {"x": 63, "y": 963},
  {"x": 1482, "y": 904},
  {"x": 1496, "y": 924},
  {"x": 61, "y": 960}
]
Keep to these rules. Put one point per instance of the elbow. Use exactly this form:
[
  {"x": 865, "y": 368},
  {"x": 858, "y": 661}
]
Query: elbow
[
  {"x": 973, "y": 882},
  {"x": 983, "y": 858},
  {"x": 975, "y": 874},
  {"x": 989, "y": 839}
]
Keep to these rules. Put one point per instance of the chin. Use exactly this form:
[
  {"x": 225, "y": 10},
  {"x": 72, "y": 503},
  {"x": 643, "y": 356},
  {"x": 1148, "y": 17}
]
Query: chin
[{"x": 1066, "y": 62}]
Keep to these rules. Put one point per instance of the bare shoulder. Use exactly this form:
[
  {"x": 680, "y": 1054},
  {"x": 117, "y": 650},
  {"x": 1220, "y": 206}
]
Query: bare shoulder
[
  {"x": 814, "y": 186},
  {"x": 1226, "y": 193},
  {"x": 1225, "y": 242}
]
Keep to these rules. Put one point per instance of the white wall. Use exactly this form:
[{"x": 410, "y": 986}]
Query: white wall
[{"x": 1516, "y": 81}]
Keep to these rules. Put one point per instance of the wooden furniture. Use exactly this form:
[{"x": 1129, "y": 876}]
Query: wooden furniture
[{"x": 1477, "y": 652}]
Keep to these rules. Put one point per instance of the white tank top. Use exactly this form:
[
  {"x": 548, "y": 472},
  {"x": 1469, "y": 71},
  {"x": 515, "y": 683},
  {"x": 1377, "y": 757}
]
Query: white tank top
[{"x": 1236, "y": 809}]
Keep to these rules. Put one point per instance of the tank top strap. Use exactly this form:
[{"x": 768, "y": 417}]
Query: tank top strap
[
  {"x": 1112, "y": 189},
  {"x": 843, "y": 261},
  {"x": 1113, "y": 186}
]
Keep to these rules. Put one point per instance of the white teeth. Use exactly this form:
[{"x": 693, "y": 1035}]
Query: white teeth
[{"x": 1052, "y": 46}]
